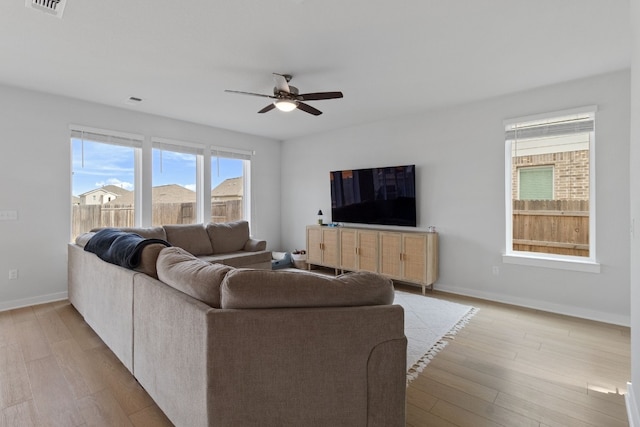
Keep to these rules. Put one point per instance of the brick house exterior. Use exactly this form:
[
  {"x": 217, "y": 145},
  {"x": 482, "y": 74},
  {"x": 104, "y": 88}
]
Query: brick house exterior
[{"x": 570, "y": 173}]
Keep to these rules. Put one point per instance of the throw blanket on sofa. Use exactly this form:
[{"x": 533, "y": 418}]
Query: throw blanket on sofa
[{"x": 119, "y": 247}]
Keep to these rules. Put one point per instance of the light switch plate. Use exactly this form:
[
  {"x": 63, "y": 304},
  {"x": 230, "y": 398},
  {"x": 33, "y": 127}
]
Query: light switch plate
[{"x": 8, "y": 215}]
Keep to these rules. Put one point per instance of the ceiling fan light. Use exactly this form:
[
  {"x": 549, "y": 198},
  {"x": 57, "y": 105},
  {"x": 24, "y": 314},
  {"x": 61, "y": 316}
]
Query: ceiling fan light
[{"x": 285, "y": 105}]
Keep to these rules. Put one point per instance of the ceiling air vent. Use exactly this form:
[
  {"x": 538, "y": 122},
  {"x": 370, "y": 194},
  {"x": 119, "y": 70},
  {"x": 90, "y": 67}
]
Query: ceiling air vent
[{"x": 52, "y": 7}]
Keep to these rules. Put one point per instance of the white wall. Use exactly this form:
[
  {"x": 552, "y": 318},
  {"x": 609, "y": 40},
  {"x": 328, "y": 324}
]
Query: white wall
[
  {"x": 459, "y": 154},
  {"x": 35, "y": 181},
  {"x": 633, "y": 398}
]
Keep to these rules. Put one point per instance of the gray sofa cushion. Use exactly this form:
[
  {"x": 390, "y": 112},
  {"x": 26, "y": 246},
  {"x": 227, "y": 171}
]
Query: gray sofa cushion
[
  {"x": 228, "y": 237},
  {"x": 284, "y": 289},
  {"x": 239, "y": 259},
  {"x": 146, "y": 232},
  {"x": 196, "y": 278},
  {"x": 149, "y": 258},
  {"x": 84, "y": 238},
  {"x": 191, "y": 237}
]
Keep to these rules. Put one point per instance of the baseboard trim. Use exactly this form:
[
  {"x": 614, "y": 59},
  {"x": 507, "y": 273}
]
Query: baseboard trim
[
  {"x": 26, "y": 302},
  {"x": 567, "y": 310},
  {"x": 632, "y": 408}
]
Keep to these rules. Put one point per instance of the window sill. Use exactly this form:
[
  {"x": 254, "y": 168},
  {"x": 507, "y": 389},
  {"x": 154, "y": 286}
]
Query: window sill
[{"x": 549, "y": 262}]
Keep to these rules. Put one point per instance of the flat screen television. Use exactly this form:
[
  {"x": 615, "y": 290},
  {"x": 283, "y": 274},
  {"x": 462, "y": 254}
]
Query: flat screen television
[{"x": 385, "y": 196}]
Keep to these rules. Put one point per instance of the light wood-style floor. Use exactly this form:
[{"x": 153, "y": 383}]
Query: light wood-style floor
[
  {"x": 516, "y": 367},
  {"x": 508, "y": 367}
]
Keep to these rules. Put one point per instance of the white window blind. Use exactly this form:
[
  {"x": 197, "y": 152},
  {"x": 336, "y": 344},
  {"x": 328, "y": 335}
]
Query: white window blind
[
  {"x": 107, "y": 137},
  {"x": 231, "y": 153},
  {"x": 177, "y": 146},
  {"x": 569, "y": 125}
]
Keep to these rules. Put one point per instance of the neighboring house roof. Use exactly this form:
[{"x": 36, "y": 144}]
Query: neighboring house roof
[
  {"x": 75, "y": 200},
  {"x": 170, "y": 193},
  {"x": 113, "y": 189},
  {"x": 230, "y": 187}
]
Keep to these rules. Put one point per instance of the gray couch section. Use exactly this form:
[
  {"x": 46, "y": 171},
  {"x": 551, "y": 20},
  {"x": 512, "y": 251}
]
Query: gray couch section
[{"x": 295, "y": 349}]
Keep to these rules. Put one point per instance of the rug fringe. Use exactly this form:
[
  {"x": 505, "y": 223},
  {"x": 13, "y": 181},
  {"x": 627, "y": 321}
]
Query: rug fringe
[{"x": 422, "y": 363}]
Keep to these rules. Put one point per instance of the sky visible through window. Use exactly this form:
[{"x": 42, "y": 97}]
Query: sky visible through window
[{"x": 96, "y": 165}]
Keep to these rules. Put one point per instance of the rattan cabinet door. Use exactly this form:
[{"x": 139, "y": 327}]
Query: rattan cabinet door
[
  {"x": 390, "y": 254},
  {"x": 368, "y": 250},
  {"x": 348, "y": 249}
]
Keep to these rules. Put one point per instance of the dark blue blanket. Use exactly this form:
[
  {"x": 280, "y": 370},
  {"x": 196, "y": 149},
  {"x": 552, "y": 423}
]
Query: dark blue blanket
[{"x": 119, "y": 247}]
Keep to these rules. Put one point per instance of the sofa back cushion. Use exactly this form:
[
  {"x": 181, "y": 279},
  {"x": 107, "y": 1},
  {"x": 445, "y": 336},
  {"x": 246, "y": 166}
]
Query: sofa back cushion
[
  {"x": 228, "y": 236},
  {"x": 149, "y": 258},
  {"x": 146, "y": 232},
  {"x": 193, "y": 238},
  {"x": 186, "y": 273},
  {"x": 243, "y": 289}
]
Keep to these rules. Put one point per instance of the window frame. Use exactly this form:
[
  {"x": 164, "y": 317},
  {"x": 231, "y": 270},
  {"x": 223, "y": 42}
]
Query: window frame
[
  {"x": 143, "y": 170},
  {"x": 547, "y": 260},
  {"x": 108, "y": 137},
  {"x": 183, "y": 147}
]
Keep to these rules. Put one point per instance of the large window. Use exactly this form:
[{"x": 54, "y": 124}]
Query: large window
[
  {"x": 229, "y": 186},
  {"x": 175, "y": 177},
  {"x": 550, "y": 199},
  {"x": 118, "y": 181},
  {"x": 103, "y": 180}
]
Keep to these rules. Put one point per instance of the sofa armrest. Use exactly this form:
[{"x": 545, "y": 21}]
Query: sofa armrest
[{"x": 255, "y": 245}]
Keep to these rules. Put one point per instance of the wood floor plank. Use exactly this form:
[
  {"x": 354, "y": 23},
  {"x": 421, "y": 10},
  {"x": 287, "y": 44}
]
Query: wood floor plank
[
  {"x": 460, "y": 416},
  {"x": 23, "y": 314},
  {"x": 14, "y": 380},
  {"x": 8, "y": 331},
  {"x": 23, "y": 414},
  {"x": 549, "y": 417},
  {"x": 80, "y": 331},
  {"x": 418, "y": 417},
  {"x": 472, "y": 388},
  {"x": 102, "y": 410},
  {"x": 78, "y": 369},
  {"x": 55, "y": 402},
  {"x": 53, "y": 327},
  {"x": 124, "y": 387},
  {"x": 150, "y": 416},
  {"x": 32, "y": 339}
]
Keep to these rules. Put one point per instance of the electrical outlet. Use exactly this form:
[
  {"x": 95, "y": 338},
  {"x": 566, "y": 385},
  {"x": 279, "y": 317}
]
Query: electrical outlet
[
  {"x": 496, "y": 270},
  {"x": 13, "y": 274}
]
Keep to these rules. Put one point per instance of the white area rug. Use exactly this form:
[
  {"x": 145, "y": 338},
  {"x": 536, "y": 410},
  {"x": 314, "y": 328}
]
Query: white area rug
[{"x": 428, "y": 322}]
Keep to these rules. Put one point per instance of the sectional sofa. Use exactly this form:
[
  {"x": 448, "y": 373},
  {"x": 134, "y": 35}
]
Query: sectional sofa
[{"x": 216, "y": 345}]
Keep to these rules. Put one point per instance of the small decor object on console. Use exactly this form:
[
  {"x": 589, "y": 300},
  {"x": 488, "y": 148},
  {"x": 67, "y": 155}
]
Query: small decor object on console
[
  {"x": 299, "y": 258},
  {"x": 320, "y": 216}
]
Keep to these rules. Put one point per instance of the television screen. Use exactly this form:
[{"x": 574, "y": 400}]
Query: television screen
[{"x": 385, "y": 196}]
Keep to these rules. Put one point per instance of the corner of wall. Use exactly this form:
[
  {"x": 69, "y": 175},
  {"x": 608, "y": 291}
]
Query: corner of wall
[{"x": 632, "y": 409}]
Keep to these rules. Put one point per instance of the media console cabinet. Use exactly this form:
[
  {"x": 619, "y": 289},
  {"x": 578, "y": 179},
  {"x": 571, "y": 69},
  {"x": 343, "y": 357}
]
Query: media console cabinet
[{"x": 406, "y": 256}]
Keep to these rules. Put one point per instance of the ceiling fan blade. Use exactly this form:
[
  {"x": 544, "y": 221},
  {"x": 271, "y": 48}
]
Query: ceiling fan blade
[
  {"x": 250, "y": 93},
  {"x": 281, "y": 83},
  {"x": 267, "y": 108},
  {"x": 308, "y": 109},
  {"x": 316, "y": 96}
]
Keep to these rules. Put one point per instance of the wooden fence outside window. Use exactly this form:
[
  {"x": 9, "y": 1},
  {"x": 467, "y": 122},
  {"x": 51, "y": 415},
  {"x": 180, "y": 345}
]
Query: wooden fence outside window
[
  {"x": 551, "y": 226},
  {"x": 87, "y": 217}
]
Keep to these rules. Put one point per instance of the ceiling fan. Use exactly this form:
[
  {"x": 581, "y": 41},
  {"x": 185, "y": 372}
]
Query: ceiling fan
[{"x": 287, "y": 97}]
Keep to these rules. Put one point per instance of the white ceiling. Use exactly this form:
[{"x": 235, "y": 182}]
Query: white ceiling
[{"x": 388, "y": 58}]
